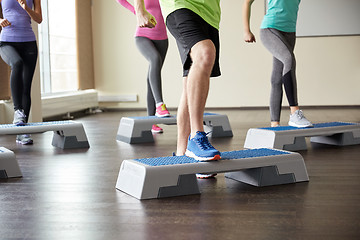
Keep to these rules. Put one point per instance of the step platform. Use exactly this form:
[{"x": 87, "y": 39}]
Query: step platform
[
  {"x": 175, "y": 176},
  {"x": 138, "y": 129},
  {"x": 293, "y": 139},
  {"x": 9, "y": 167},
  {"x": 67, "y": 134}
]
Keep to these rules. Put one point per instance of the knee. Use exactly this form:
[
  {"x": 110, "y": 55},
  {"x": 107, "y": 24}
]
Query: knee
[
  {"x": 276, "y": 85},
  {"x": 156, "y": 61},
  {"x": 289, "y": 62},
  {"x": 17, "y": 64},
  {"x": 205, "y": 55}
]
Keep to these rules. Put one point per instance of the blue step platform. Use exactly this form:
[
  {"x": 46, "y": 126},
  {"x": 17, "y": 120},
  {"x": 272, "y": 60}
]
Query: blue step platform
[
  {"x": 67, "y": 134},
  {"x": 293, "y": 139},
  {"x": 9, "y": 167},
  {"x": 175, "y": 176},
  {"x": 138, "y": 129}
]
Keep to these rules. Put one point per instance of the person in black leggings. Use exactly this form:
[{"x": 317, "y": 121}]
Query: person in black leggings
[
  {"x": 21, "y": 57},
  {"x": 19, "y": 50}
]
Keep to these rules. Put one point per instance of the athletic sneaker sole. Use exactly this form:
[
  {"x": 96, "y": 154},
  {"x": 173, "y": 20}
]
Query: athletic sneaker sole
[
  {"x": 157, "y": 131},
  {"x": 202, "y": 159},
  {"x": 164, "y": 115},
  {"x": 25, "y": 143},
  {"x": 299, "y": 126},
  {"x": 20, "y": 124},
  {"x": 205, "y": 176}
]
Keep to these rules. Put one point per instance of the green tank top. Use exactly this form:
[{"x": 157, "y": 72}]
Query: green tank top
[
  {"x": 281, "y": 15},
  {"x": 209, "y": 10}
]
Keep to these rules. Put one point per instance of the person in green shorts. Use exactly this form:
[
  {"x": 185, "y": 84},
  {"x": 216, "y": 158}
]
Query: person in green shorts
[{"x": 194, "y": 25}]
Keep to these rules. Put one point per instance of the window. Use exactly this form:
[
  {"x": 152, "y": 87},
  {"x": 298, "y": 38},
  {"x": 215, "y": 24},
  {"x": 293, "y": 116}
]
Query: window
[{"x": 57, "y": 47}]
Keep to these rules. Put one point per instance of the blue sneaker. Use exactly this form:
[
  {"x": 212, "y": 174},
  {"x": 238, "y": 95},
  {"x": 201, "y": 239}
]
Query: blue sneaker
[{"x": 200, "y": 148}]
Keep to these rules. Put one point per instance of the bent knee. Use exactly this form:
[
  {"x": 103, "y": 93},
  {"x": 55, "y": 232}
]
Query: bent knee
[
  {"x": 204, "y": 53},
  {"x": 155, "y": 61},
  {"x": 289, "y": 62},
  {"x": 18, "y": 64}
]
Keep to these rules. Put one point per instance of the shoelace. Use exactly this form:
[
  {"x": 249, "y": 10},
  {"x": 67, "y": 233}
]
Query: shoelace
[
  {"x": 300, "y": 114},
  {"x": 204, "y": 143}
]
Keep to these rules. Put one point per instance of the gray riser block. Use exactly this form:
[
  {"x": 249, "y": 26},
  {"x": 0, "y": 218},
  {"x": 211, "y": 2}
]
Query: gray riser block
[
  {"x": 260, "y": 177},
  {"x": 340, "y": 139},
  {"x": 9, "y": 167}
]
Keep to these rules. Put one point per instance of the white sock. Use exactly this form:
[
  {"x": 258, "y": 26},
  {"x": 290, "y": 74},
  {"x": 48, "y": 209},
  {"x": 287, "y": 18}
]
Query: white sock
[{"x": 159, "y": 104}]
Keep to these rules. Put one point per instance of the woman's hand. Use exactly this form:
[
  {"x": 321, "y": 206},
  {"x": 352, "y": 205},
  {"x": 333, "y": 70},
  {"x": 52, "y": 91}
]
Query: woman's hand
[
  {"x": 143, "y": 17},
  {"x": 35, "y": 14},
  {"x": 145, "y": 20},
  {"x": 249, "y": 37},
  {"x": 4, "y": 23},
  {"x": 22, "y": 4}
]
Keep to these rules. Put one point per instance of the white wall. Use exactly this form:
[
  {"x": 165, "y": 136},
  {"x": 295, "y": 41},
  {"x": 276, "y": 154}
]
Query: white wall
[
  {"x": 328, "y": 68},
  {"x": 36, "y": 112}
]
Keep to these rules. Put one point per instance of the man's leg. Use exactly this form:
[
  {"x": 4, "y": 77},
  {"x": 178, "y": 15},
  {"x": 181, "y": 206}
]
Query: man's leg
[
  {"x": 203, "y": 56},
  {"x": 183, "y": 121},
  {"x": 195, "y": 90}
]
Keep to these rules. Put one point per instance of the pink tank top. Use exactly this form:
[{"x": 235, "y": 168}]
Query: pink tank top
[{"x": 153, "y": 7}]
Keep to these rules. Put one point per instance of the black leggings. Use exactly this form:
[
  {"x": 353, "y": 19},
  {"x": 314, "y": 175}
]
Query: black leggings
[{"x": 21, "y": 57}]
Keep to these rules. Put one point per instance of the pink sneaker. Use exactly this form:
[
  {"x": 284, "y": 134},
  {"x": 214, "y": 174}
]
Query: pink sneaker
[
  {"x": 161, "y": 111},
  {"x": 156, "y": 129}
]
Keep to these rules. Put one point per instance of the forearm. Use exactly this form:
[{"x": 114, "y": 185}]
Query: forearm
[
  {"x": 35, "y": 15},
  {"x": 246, "y": 10},
  {"x": 144, "y": 18},
  {"x": 139, "y": 6},
  {"x": 127, "y": 5}
]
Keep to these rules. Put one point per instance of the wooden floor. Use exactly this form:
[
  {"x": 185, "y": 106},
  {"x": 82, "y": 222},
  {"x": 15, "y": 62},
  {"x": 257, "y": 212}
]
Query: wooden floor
[{"x": 70, "y": 194}]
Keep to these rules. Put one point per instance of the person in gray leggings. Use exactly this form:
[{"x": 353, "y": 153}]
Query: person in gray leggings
[
  {"x": 154, "y": 51},
  {"x": 278, "y": 34},
  {"x": 152, "y": 42}
]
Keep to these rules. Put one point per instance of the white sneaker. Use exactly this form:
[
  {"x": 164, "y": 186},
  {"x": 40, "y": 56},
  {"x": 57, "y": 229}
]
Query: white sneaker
[
  {"x": 24, "y": 139},
  {"x": 19, "y": 118},
  {"x": 297, "y": 119}
]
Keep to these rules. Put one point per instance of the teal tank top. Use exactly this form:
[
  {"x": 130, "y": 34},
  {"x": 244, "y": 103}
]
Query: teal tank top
[{"x": 281, "y": 15}]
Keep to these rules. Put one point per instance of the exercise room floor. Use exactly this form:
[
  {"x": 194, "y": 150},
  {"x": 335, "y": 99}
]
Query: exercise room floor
[{"x": 70, "y": 194}]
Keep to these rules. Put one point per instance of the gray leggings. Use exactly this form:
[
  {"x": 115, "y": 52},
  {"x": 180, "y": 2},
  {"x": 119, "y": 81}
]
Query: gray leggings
[
  {"x": 281, "y": 45},
  {"x": 154, "y": 51}
]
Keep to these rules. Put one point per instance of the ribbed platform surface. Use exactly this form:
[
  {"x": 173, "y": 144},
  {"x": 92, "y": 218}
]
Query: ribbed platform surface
[
  {"x": 37, "y": 124},
  {"x": 171, "y": 116},
  {"x": 174, "y": 160},
  {"x": 138, "y": 129},
  {"x": 316, "y": 125},
  {"x": 67, "y": 134}
]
